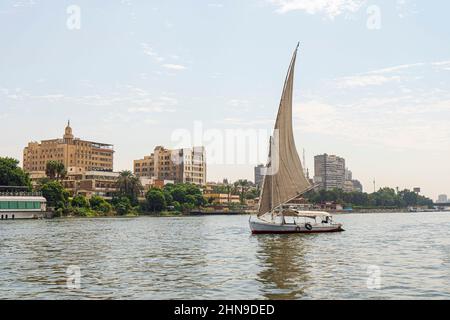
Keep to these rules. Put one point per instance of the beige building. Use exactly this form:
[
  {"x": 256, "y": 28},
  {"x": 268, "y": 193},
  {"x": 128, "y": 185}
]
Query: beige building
[
  {"x": 149, "y": 183},
  {"x": 181, "y": 165},
  {"x": 89, "y": 183},
  {"x": 222, "y": 198},
  {"x": 74, "y": 153}
]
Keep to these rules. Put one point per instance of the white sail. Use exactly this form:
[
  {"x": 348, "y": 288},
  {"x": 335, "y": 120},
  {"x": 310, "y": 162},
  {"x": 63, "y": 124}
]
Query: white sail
[{"x": 284, "y": 179}]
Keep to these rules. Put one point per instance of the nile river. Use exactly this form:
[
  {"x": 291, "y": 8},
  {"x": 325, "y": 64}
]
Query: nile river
[{"x": 380, "y": 256}]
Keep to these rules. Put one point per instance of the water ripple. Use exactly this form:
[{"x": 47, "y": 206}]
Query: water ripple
[{"x": 217, "y": 258}]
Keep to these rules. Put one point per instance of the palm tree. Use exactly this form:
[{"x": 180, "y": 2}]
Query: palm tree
[
  {"x": 243, "y": 186},
  {"x": 55, "y": 170},
  {"x": 228, "y": 187},
  {"x": 129, "y": 185}
]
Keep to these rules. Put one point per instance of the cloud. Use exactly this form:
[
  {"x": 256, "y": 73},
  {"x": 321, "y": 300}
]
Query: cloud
[
  {"x": 388, "y": 75},
  {"x": 149, "y": 105},
  {"x": 149, "y": 109},
  {"x": 174, "y": 66},
  {"x": 441, "y": 63},
  {"x": 135, "y": 99},
  {"x": 329, "y": 8},
  {"x": 365, "y": 80},
  {"x": 404, "y": 107},
  {"x": 397, "y": 68},
  {"x": 393, "y": 127},
  {"x": 25, "y": 3},
  {"x": 51, "y": 97},
  {"x": 239, "y": 103},
  {"x": 215, "y": 5},
  {"x": 148, "y": 50}
]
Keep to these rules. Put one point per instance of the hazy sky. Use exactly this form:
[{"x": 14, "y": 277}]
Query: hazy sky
[{"x": 372, "y": 80}]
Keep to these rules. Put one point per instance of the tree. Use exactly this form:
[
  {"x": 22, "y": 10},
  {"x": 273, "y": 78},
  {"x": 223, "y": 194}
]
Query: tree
[
  {"x": 177, "y": 206},
  {"x": 186, "y": 196},
  {"x": 100, "y": 204},
  {"x": 55, "y": 195},
  {"x": 242, "y": 186},
  {"x": 385, "y": 197},
  {"x": 156, "y": 200},
  {"x": 252, "y": 193},
  {"x": 410, "y": 198},
  {"x": 55, "y": 170},
  {"x": 80, "y": 201},
  {"x": 178, "y": 193},
  {"x": 199, "y": 200},
  {"x": 12, "y": 175},
  {"x": 122, "y": 205},
  {"x": 129, "y": 186},
  {"x": 168, "y": 197}
]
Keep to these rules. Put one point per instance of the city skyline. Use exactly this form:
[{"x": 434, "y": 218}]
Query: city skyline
[
  {"x": 379, "y": 99},
  {"x": 65, "y": 151}
]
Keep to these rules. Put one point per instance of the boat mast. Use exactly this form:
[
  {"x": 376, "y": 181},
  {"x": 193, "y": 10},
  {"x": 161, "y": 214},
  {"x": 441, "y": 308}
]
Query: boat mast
[{"x": 285, "y": 177}]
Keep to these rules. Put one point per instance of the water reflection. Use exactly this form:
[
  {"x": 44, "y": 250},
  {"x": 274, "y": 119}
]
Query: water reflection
[{"x": 284, "y": 273}]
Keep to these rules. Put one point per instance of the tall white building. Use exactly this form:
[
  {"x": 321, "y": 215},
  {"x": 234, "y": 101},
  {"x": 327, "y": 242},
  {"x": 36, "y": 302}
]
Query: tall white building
[
  {"x": 442, "y": 198},
  {"x": 329, "y": 172},
  {"x": 182, "y": 165}
]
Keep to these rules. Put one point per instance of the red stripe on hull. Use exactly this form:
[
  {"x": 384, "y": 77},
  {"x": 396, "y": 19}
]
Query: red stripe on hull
[{"x": 290, "y": 232}]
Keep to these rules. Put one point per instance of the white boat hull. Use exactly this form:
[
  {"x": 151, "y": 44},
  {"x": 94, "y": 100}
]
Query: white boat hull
[
  {"x": 259, "y": 226},
  {"x": 19, "y": 215}
]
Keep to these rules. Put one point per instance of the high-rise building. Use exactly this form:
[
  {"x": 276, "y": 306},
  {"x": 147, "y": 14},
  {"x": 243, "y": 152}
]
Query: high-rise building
[
  {"x": 348, "y": 186},
  {"x": 357, "y": 186},
  {"x": 329, "y": 172},
  {"x": 442, "y": 198},
  {"x": 260, "y": 171},
  {"x": 74, "y": 153},
  {"x": 181, "y": 165},
  {"x": 348, "y": 175}
]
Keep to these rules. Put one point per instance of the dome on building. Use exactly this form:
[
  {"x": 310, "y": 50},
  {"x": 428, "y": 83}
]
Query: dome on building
[{"x": 68, "y": 131}]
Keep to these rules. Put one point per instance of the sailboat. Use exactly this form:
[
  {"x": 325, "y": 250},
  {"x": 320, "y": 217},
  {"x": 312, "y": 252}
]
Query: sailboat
[{"x": 284, "y": 179}]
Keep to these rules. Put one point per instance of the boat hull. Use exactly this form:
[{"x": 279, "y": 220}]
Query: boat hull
[
  {"x": 264, "y": 227},
  {"x": 21, "y": 215}
]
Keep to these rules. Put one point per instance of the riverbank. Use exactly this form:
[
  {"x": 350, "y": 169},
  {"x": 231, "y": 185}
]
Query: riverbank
[
  {"x": 217, "y": 213},
  {"x": 399, "y": 210}
]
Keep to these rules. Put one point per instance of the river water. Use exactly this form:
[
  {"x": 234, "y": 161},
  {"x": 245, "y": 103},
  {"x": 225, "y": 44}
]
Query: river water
[{"x": 379, "y": 256}]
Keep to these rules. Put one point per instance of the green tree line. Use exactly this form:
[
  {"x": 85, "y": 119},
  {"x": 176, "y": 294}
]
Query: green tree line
[
  {"x": 385, "y": 197},
  {"x": 178, "y": 197}
]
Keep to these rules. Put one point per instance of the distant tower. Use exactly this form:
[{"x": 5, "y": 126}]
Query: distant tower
[
  {"x": 68, "y": 136},
  {"x": 374, "y": 186}
]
